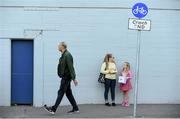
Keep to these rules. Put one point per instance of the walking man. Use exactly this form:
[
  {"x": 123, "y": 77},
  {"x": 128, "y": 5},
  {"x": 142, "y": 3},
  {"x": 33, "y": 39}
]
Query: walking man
[{"x": 67, "y": 74}]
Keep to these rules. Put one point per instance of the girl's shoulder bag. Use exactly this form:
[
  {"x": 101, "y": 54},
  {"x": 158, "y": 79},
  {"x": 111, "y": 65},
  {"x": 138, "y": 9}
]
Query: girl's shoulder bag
[{"x": 101, "y": 78}]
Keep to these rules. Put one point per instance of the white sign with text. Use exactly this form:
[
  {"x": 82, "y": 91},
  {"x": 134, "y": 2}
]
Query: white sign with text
[{"x": 139, "y": 24}]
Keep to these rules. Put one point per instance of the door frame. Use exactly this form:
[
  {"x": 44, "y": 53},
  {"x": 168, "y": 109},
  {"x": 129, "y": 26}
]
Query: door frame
[{"x": 21, "y": 39}]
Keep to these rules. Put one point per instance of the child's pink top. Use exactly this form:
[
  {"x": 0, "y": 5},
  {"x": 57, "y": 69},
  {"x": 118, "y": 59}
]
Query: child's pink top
[
  {"x": 128, "y": 85},
  {"x": 130, "y": 75}
]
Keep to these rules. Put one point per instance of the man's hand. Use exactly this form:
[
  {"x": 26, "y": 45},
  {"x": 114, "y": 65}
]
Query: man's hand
[{"x": 75, "y": 82}]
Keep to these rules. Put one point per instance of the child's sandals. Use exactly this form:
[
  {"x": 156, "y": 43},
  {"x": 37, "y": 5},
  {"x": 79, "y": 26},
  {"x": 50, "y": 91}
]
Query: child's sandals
[{"x": 125, "y": 104}]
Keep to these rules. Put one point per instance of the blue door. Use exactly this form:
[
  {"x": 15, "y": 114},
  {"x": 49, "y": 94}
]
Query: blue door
[{"x": 22, "y": 72}]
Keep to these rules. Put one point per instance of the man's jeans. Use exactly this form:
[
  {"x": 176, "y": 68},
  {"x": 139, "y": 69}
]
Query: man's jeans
[{"x": 65, "y": 88}]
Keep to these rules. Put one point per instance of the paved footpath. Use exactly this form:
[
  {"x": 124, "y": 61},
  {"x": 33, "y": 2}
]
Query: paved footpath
[{"x": 93, "y": 111}]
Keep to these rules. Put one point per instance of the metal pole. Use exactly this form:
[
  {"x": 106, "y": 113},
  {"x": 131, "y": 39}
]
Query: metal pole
[
  {"x": 137, "y": 72},
  {"x": 43, "y": 63}
]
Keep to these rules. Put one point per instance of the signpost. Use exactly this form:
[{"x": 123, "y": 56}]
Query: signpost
[{"x": 139, "y": 10}]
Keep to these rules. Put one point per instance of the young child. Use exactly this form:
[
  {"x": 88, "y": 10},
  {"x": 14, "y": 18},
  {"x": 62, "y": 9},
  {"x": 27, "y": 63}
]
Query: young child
[{"x": 125, "y": 88}]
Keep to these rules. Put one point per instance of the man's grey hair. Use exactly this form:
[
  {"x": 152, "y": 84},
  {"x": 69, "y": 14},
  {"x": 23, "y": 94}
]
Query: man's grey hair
[{"x": 64, "y": 44}]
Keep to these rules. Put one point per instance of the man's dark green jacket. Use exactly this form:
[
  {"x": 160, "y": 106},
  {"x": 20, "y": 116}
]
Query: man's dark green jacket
[{"x": 65, "y": 66}]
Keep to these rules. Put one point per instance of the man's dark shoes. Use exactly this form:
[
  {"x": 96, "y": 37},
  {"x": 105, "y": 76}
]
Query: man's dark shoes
[
  {"x": 107, "y": 104},
  {"x": 49, "y": 109},
  {"x": 73, "y": 111}
]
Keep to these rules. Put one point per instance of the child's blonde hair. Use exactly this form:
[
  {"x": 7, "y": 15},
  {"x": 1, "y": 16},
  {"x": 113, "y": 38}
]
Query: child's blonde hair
[{"x": 127, "y": 64}]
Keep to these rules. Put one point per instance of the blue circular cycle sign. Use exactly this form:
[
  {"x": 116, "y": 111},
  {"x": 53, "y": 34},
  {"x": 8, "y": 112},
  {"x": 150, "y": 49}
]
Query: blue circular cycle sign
[{"x": 140, "y": 10}]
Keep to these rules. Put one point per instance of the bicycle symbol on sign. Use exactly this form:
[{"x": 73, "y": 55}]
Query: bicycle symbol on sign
[{"x": 140, "y": 10}]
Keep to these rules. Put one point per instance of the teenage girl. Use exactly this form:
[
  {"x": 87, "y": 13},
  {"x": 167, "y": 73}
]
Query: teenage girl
[{"x": 109, "y": 69}]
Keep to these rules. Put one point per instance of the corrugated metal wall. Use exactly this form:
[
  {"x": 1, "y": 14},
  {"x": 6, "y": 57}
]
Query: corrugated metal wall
[{"x": 91, "y": 29}]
